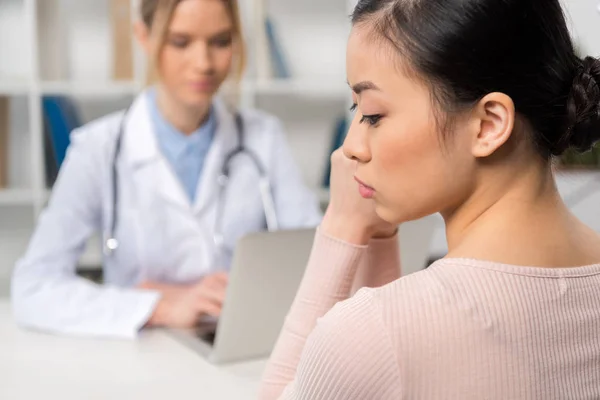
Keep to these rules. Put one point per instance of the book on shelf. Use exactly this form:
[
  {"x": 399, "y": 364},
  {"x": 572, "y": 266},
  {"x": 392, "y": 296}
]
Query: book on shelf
[
  {"x": 50, "y": 164},
  {"x": 4, "y": 134},
  {"x": 341, "y": 129},
  {"x": 263, "y": 64},
  {"x": 279, "y": 64},
  {"x": 61, "y": 116},
  {"x": 53, "y": 44},
  {"x": 120, "y": 11},
  {"x": 271, "y": 60}
]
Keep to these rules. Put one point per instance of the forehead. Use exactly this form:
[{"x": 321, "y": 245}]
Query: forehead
[
  {"x": 372, "y": 58},
  {"x": 368, "y": 54},
  {"x": 202, "y": 17}
]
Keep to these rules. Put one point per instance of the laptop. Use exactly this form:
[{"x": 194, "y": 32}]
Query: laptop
[{"x": 266, "y": 272}]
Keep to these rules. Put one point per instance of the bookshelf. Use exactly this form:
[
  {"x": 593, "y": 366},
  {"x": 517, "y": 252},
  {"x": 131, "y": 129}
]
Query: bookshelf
[
  {"x": 88, "y": 89},
  {"x": 15, "y": 197},
  {"x": 315, "y": 88}
]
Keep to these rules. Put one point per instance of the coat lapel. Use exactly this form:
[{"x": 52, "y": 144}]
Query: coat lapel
[
  {"x": 140, "y": 150},
  {"x": 223, "y": 142}
]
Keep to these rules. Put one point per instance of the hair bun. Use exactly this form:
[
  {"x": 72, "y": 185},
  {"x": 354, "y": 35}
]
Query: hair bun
[{"x": 583, "y": 109}]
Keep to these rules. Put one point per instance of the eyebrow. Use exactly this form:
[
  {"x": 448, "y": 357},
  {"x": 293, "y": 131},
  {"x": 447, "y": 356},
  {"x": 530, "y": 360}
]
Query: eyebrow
[
  {"x": 362, "y": 86},
  {"x": 224, "y": 32}
]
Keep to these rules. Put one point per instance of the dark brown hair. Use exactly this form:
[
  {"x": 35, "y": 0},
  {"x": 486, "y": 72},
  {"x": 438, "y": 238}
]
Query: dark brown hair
[{"x": 467, "y": 49}]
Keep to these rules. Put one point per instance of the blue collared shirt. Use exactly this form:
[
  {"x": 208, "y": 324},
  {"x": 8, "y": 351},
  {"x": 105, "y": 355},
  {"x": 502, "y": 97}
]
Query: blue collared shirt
[{"x": 185, "y": 153}]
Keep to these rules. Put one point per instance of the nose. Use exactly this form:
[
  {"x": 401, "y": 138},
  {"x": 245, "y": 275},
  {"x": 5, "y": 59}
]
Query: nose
[
  {"x": 202, "y": 58},
  {"x": 356, "y": 145}
]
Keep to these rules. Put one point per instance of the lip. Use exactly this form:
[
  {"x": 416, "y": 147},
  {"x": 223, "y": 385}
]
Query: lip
[
  {"x": 203, "y": 85},
  {"x": 365, "y": 190}
]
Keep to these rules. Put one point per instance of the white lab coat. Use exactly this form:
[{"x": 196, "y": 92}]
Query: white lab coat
[{"x": 162, "y": 236}]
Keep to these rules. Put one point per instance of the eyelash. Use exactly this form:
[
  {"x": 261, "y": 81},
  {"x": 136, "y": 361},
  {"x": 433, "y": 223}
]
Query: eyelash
[
  {"x": 370, "y": 119},
  {"x": 178, "y": 43},
  {"x": 220, "y": 43}
]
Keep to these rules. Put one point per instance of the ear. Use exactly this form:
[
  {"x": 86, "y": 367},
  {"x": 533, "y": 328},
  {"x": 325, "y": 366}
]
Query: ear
[
  {"x": 142, "y": 34},
  {"x": 495, "y": 115}
]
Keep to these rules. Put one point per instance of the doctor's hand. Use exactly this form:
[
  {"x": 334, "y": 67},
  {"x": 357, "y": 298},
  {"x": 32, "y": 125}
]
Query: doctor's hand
[
  {"x": 182, "y": 306},
  {"x": 349, "y": 216}
]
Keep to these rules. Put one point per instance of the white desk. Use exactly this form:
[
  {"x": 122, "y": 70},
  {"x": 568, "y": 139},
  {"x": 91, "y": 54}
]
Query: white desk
[{"x": 42, "y": 366}]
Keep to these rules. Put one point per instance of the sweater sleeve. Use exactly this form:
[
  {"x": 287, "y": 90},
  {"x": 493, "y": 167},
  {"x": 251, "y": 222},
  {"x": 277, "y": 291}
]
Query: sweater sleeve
[
  {"x": 348, "y": 356},
  {"x": 328, "y": 280},
  {"x": 380, "y": 266}
]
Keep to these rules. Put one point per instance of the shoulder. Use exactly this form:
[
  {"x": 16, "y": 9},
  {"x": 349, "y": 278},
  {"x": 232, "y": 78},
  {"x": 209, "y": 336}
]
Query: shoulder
[
  {"x": 261, "y": 129},
  {"x": 94, "y": 142},
  {"x": 354, "y": 328},
  {"x": 365, "y": 303},
  {"x": 350, "y": 341},
  {"x": 444, "y": 283},
  {"x": 411, "y": 295},
  {"x": 100, "y": 132},
  {"x": 264, "y": 133},
  {"x": 440, "y": 305},
  {"x": 262, "y": 126},
  {"x": 258, "y": 118}
]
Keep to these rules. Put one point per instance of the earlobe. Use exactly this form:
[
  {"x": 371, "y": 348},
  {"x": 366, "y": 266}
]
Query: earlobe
[{"x": 496, "y": 115}]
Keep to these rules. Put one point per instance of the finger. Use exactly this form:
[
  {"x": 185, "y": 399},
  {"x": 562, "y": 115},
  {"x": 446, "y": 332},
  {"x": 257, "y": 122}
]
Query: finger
[
  {"x": 212, "y": 294},
  {"x": 209, "y": 308},
  {"x": 221, "y": 278},
  {"x": 212, "y": 289},
  {"x": 216, "y": 282}
]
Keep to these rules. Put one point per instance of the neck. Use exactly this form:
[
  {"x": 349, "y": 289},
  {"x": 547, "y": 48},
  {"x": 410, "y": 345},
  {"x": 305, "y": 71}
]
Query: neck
[
  {"x": 184, "y": 118},
  {"x": 512, "y": 221}
]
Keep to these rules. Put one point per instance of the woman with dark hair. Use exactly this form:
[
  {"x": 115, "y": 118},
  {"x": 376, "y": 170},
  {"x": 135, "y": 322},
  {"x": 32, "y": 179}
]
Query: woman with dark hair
[{"x": 461, "y": 107}]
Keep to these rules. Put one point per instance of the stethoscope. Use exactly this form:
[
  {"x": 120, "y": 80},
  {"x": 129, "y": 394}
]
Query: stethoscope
[{"x": 111, "y": 243}]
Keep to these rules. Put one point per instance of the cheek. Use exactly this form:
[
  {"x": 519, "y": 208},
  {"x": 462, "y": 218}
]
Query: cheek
[
  {"x": 223, "y": 60},
  {"x": 171, "y": 64},
  {"x": 407, "y": 149},
  {"x": 412, "y": 167}
]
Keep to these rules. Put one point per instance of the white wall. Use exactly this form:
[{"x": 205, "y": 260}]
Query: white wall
[
  {"x": 584, "y": 19},
  {"x": 309, "y": 126},
  {"x": 16, "y": 222},
  {"x": 15, "y": 229},
  {"x": 19, "y": 156},
  {"x": 75, "y": 40},
  {"x": 13, "y": 33},
  {"x": 314, "y": 35}
]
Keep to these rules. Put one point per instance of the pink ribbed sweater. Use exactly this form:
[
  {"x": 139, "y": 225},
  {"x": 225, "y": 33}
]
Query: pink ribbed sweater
[{"x": 461, "y": 329}]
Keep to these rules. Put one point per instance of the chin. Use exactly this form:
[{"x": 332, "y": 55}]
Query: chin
[
  {"x": 197, "y": 99},
  {"x": 398, "y": 214},
  {"x": 387, "y": 214}
]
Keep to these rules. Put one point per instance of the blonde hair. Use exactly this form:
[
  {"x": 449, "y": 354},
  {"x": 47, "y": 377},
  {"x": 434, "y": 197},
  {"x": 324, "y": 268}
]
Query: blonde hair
[{"x": 157, "y": 15}]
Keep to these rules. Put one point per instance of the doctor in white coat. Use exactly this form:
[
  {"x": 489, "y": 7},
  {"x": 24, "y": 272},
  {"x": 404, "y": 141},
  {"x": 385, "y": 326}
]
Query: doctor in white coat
[{"x": 163, "y": 158}]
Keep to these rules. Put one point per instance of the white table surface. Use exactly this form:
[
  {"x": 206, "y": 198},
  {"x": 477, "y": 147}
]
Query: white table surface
[{"x": 42, "y": 366}]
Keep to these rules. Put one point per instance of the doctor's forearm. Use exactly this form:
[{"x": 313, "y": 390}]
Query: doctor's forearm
[
  {"x": 163, "y": 288},
  {"x": 162, "y": 310}
]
